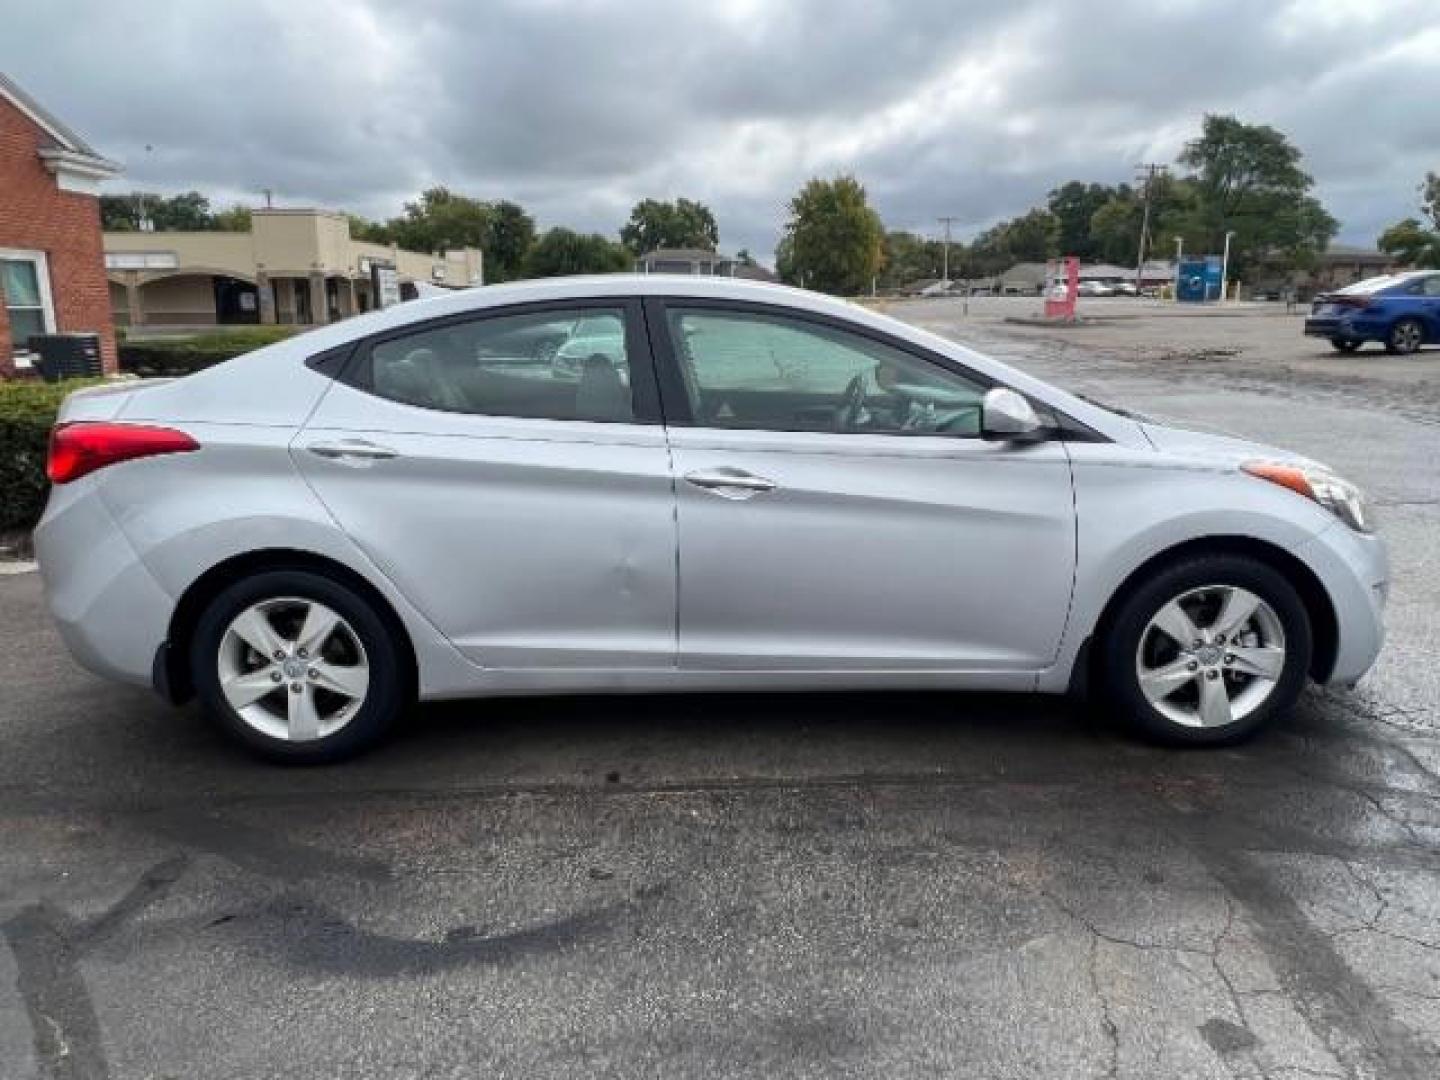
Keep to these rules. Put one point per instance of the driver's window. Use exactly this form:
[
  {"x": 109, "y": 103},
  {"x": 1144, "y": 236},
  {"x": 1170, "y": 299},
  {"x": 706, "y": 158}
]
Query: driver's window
[{"x": 744, "y": 370}]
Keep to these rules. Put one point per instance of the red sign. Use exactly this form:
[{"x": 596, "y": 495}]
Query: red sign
[{"x": 1062, "y": 286}]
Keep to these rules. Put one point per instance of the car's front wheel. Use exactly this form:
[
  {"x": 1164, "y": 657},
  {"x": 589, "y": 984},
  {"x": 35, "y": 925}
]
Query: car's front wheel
[
  {"x": 1205, "y": 652},
  {"x": 298, "y": 667},
  {"x": 1405, "y": 337}
]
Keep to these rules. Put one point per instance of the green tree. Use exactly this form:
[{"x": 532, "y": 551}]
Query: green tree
[
  {"x": 235, "y": 219},
  {"x": 440, "y": 220},
  {"x": 1074, "y": 205},
  {"x": 910, "y": 257},
  {"x": 1430, "y": 199},
  {"x": 118, "y": 213},
  {"x": 834, "y": 241},
  {"x": 189, "y": 212},
  {"x": 1115, "y": 230},
  {"x": 1033, "y": 237},
  {"x": 372, "y": 232},
  {"x": 1413, "y": 241},
  {"x": 564, "y": 251},
  {"x": 1247, "y": 179},
  {"x": 681, "y": 224},
  {"x": 509, "y": 235}
]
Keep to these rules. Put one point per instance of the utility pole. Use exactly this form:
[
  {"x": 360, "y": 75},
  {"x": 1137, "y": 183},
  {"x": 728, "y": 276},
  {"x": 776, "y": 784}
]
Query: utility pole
[
  {"x": 945, "y": 273},
  {"x": 1151, "y": 170}
]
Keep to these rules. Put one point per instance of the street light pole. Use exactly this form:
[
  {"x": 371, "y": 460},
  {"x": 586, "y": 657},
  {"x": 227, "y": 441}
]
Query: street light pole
[
  {"x": 1179, "y": 254},
  {"x": 945, "y": 273},
  {"x": 1225, "y": 267}
]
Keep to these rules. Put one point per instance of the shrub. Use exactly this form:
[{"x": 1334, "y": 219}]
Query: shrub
[
  {"x": 27, "y": 413},
  {"x": 183, "y": 355}
]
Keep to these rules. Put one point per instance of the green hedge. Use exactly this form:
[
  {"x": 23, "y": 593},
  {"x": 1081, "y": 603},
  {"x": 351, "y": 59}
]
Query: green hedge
[
  {"x": 161, "y": 357},
  {"x": 27, "y": 413}
]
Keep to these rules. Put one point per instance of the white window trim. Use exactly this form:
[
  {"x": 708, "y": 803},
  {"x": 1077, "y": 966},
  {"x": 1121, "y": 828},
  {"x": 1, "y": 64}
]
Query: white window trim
[{"x": 22, "y": 357}]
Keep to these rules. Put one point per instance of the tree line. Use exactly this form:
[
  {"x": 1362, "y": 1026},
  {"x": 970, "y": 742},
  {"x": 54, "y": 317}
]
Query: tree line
[
  {"x": 440, "y": 220},
  {"x": 1416, "y": 241},
  {"x": 1246, "y": 180}
]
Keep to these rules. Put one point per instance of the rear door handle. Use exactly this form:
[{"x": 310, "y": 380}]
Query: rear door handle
[
  {"x": 730, "y": 483},
  {"x": 352, "y": 448}
]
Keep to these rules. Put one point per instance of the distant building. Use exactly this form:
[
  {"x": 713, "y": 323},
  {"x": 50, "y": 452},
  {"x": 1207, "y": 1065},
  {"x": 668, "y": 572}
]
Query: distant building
[
  {"x": 1337, "y": 266},
  {"x": 293, "y": 266},
  {"x": 686, "y": 261},
  {"x": 1344, "y": 264},
  {"x": 1028, "y": 278},
  {"x": 52, "y": 274},
  {"x": 702, "y": 262},
  {"x": 1023, "y": 279}
]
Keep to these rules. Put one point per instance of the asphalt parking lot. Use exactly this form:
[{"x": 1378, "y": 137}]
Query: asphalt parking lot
[{"x": 768, "y": 886}]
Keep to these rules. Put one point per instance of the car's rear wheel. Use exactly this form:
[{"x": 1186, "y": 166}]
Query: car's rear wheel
[
  {"x": 1345, "y": 345},
  {"x": 1405, "y": 337},
  {"x": 1206, "y": 652},
  {"x": 298, "y": 667}
]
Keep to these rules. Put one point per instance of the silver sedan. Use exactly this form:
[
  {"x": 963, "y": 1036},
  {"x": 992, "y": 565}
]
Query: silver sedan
[{"x": 748, "y": 487}]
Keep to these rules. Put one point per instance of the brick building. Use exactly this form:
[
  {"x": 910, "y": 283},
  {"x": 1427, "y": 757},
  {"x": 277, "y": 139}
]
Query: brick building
[{"x": 52, "y": 264}]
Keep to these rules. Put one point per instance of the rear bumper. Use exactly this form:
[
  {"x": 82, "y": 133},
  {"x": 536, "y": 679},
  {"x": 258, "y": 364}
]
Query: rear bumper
[
  {"x": 111, "y": 613},
  {"x": 1355, "y": 570}
]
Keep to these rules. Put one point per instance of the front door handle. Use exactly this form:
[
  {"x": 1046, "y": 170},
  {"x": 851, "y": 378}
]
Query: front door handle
[
  {"x": 352, "y": 448},
  {"x": 730, "y": 483}
]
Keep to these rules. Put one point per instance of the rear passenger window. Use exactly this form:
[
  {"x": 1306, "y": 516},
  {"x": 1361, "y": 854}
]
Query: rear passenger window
[{"x": 552, "y": 365}]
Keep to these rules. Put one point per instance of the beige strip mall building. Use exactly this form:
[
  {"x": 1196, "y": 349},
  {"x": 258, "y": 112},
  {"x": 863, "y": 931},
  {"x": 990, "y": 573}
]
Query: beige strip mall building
[{"x": 293, "y": 267}]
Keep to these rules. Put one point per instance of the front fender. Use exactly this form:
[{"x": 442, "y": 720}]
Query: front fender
[{"x": 1127, "y": 514}]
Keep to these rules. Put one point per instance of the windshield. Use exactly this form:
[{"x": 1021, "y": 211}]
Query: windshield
[
  {"x": 1374, "y": 284},
  {"x": 1116, "y": 409}
]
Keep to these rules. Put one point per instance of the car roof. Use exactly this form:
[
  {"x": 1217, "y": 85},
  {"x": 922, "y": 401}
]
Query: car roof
[
  {"x": 588, "y": 286},
  {"x": 1383, "y": 281}
]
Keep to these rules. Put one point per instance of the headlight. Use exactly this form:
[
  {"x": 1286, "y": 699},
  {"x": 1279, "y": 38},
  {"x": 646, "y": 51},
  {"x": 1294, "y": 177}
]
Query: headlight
[{"x": 1340, "y": 497}]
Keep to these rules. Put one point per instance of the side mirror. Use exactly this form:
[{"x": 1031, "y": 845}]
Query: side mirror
[{"x": 1006, "y": 414}]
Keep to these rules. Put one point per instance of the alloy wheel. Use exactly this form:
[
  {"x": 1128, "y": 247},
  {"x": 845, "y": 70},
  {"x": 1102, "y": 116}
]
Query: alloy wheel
[
  {"x": 1211, "y": 656},
  {"x": 1408, "y": 336},
  {"x": 293, "y": 669}
]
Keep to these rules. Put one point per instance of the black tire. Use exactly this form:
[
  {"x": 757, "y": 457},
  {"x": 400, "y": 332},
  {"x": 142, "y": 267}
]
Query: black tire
[
  {"x": 1345, "y": 345},
  {"x": 386, "y": 696},
  {"x": 1405, "y": 337},
  {"x": 1121, "y": 643}
]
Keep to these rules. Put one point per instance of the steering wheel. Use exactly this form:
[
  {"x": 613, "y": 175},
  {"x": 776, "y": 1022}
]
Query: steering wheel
[{"x": 852, "y": 405}]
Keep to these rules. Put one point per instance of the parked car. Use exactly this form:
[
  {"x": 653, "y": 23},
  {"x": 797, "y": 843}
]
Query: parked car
[
  {"x": 1095, "y": 288},
  {"x": 599, "y": 336},
  {"x": 782, "y": 491},
  {"x": 1402, "y": 311}
]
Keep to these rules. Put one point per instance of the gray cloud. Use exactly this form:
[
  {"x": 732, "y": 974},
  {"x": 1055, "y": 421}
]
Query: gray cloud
[{"x": 577, "y": 109}]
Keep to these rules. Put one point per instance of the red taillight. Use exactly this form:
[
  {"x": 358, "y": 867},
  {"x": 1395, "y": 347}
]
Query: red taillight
[{"x": 82, "y": 447}]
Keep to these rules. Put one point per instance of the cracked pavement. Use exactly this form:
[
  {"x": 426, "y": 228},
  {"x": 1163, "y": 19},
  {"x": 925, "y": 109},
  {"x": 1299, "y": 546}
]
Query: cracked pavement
[{"x": 760, "y": 885}]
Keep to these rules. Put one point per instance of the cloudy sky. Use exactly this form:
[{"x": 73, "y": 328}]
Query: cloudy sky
[{"x": 577, "y": 108}]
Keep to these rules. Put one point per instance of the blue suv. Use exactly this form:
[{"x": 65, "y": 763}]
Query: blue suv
[{"x": 1400, "y": 310}]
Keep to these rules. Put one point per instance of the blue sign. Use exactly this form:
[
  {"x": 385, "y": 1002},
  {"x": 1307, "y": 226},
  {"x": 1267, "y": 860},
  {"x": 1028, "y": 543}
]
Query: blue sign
[{"x": 1198, "y": 279}]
